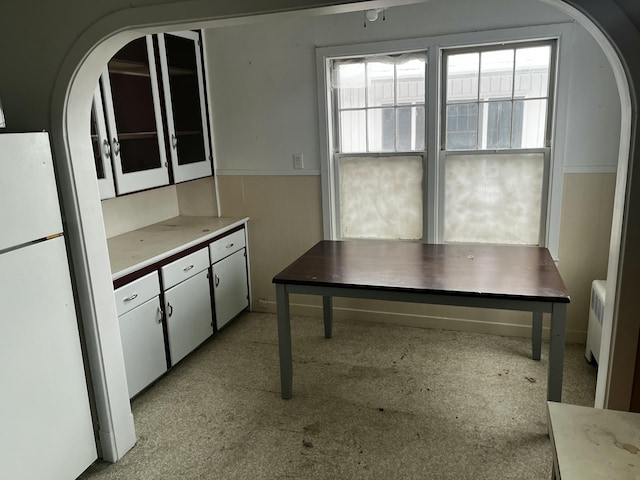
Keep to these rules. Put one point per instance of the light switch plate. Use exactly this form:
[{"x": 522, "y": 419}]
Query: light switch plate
[{"x": 298, "y": 161}]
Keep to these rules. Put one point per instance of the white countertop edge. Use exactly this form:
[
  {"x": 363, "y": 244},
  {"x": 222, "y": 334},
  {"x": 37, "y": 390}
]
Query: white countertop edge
[{"x": 208, "y": 236}]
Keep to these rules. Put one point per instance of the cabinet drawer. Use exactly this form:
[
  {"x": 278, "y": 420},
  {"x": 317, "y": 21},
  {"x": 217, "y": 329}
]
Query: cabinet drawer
[
  {"x": 185, "y": 267},
  {"x": 137, "y": 292},
  {"x": 227, "y": 245}
]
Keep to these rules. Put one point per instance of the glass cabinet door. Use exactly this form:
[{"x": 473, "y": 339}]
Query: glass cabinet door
[
  {"x": 132, "y": 106},
  {"x": 184, "y": 96},
  {"x": 101, "y": 147}
]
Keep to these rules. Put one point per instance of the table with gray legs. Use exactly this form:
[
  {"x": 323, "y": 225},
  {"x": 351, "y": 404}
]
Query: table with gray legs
[{"x": 487, "y": 276}]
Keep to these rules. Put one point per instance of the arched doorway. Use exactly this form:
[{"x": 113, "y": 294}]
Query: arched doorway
[{"x": 71, "y": 99}]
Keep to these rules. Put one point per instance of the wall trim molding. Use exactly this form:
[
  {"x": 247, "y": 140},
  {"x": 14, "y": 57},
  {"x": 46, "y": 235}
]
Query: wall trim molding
[
  {"x": 423, "y": 321},
  {"x": 258, "y": 173}
]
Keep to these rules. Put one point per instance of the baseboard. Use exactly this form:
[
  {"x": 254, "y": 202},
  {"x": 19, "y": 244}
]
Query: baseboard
[{"x": 422, "y": 321}]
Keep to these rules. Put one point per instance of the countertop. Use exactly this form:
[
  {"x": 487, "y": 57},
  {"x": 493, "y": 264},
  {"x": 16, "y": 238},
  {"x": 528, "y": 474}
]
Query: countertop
[
  {"x": 137, "y": 249},
  {"x": 592, "y": 443}
]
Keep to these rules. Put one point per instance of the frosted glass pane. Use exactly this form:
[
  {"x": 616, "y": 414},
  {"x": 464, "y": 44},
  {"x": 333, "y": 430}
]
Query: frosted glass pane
[
  {"x": 381, "y": 198},
  {"x": 353, "y": 131},
  {"x": 462, "y": 77},
  {"x": 380, "y": 84},
  {"x": 496, "y": 74},
  {"x": 493, "y": 198}
]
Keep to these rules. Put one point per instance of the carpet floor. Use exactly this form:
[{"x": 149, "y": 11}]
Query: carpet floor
[{"x": 376, "y": 401}]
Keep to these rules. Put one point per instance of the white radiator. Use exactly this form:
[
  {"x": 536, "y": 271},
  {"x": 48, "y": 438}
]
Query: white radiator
[{"x": 596, "y": 313}]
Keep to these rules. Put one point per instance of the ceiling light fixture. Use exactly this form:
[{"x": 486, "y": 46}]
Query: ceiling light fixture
[{"x": 372, "y": 15}]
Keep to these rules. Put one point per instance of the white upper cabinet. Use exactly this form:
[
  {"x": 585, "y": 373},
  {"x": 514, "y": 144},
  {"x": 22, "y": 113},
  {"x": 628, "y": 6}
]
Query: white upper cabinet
[
  {"x": 134, "y": 118},
  {"x": 185, "y": 105}
]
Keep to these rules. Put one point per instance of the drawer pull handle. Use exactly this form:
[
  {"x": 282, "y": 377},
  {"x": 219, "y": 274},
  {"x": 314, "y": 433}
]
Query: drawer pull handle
[
  {"x": 217, "y": 280},
  {"x": 186, "y": 269},
  {"x": 230, "y": 245},
  {"x": 169, "y": 309},
  {"x": 132, "y": 297}
]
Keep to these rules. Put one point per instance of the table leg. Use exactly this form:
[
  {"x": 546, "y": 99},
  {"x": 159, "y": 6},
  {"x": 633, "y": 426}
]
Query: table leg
[
  {"x": 327, "y": 309},
  {"x": 284, "y": 341},
  {"x": 536, "y": 336},
  {"x": 556, "y": 351}
]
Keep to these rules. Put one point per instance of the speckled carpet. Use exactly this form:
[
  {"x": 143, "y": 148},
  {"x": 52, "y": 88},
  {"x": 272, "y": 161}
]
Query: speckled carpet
[{"x": 376, "y": 401}]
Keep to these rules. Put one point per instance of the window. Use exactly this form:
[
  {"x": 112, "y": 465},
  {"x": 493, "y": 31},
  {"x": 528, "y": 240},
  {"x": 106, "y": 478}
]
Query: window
[
  {"x": 380, "y": 103},
  {"x": 457, "y": 152},
  {"x": 496, "y": 100},
  {"x": 379, "y": 108}
]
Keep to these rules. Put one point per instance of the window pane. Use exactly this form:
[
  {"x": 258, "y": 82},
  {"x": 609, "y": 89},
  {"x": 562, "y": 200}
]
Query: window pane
[
  {"x": 349, "y": 80},
  {"x": 532, "y": 72},
  {"x": 410, "y": 128},
  {"x": 380, "y": 84},
  {"x": 496, "y": 74},
  {"x": 462, "y": 77},
  {"x": 381, "y": 198},
  {"x": 382, "y": 129},
  {"x": 353, "y": 131},
  {"x": 495, "y": 126},
  {"x": 410, "y": 82},
  {"x": 493, "y": 198},
  {"x": 462, "y": 126},
  {"x": 529, "y": 123}
]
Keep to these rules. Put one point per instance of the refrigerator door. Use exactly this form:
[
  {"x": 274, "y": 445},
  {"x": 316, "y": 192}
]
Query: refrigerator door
[
  {"x": 46, "y": 427},
  {"x": 29, "y": 205}
]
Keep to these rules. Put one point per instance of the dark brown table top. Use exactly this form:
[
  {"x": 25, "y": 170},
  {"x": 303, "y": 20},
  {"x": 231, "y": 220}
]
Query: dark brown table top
[{"x": 490, "y": 271}]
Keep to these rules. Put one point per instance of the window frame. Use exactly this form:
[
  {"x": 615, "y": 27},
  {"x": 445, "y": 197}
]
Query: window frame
[
  {"x": 551, "y": 96},
  {"x": 434, "y": 156}
]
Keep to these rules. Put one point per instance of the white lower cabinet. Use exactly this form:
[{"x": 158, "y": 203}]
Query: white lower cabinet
[
  {"x": 189, "y": 316},
  {"x": 141, "y": 332},
  {"x": 186, "y": 320},
  {"x": 231, "y": 294},
  {"x": 143, "y": 345}
]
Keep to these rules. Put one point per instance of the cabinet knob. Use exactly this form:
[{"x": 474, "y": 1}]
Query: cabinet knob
[
  {"x": 174, "y": 141},
  {"x": 229, "y": 245},
  {"x": 116, "y": 147},
  {"x": 216, "y": 279},
  {"x": 106, "y": 150},
  {"x": 169, "y": 309}
]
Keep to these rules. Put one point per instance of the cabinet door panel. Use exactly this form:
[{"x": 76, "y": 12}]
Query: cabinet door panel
[
  {"x": 143, "y": 345},
  {"x": 101, "y": 147},
  {"x": 230, "y": 287},
  {"x": 189, "y": 316},
  {"x": 183, "y": 86},
  {"x": 134, "y": 119}
]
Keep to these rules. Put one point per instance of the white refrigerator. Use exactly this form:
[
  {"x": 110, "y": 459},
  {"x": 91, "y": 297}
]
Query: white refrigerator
[{"x": 46, "y": 429}]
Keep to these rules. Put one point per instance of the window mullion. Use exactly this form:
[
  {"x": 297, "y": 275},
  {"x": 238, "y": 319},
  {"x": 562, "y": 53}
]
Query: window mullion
[
  {"x": 366, "y": 106},
  {"x": 433, "y": 116}
]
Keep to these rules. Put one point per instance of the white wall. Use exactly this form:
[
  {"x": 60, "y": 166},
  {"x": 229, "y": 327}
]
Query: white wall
[{"x": 264, "y": 93}]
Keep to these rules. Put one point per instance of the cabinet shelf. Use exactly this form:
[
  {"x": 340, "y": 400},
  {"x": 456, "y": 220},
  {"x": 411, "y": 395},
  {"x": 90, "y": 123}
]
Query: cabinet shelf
[
  {"x": 128, "y": 67},
  {"x": 136, "y": 135},
  {"x": 186, "y": 133},
  {"x": 178, "y": 71}
]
